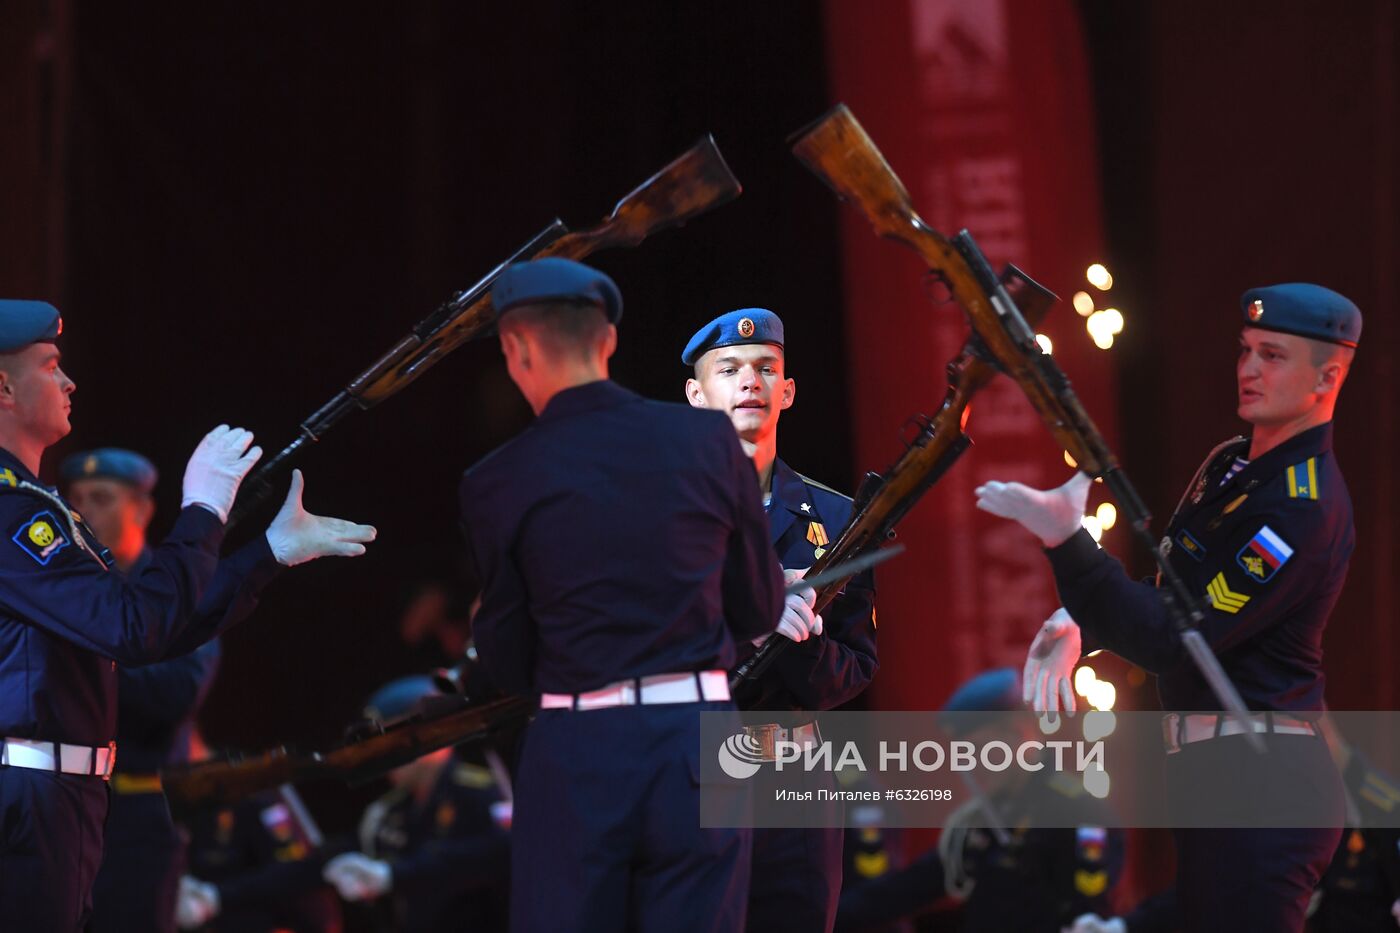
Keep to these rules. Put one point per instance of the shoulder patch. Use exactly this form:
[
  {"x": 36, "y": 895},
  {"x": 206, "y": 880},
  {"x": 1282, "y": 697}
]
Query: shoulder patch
[
  {"x": 1091, "y": 841},
  {"x": 1302, "y": 479},
  {"x": 41, "y": 537},
  {"x": 1219, "y": 595},
  {"x": 1265, "y": 553},
  {"x": 1090, "y": 883},
  {"x": 8, "y": 480},
  {"x": 807, "y": 480}
]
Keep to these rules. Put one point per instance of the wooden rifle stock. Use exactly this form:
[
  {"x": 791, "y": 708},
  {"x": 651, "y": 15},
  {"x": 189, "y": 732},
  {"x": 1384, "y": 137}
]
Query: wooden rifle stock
[
  {"x": 696, "y": 182},
  {"x": 838, "y": 150},
  {"x": 214, "y": 783}
]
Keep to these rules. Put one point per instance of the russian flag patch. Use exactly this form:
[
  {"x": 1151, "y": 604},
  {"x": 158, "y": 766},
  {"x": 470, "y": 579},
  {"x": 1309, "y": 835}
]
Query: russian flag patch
[{"x": 1265, "y": 553}]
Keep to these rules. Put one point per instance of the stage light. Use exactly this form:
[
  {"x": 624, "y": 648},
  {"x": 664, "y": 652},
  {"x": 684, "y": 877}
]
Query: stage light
[
  {"x": 1045, "y": 345},
  {"x": 1100, "y": 328},
  {"x": 1107, "y": 514},
  {"x": 1091, "y": 525},
  {"x": 1102, "y": 695},
  {"x": 1099, "y": 277},
  {"x": 1113, "y": 321},
  {"x": 1099, "y": 724},
  {"x": 1084, "y": 680},
  {"x": 1097, "y": 783},
  {"x": 1070, "y": 461},
  {"x": 1083, "y": 303}
]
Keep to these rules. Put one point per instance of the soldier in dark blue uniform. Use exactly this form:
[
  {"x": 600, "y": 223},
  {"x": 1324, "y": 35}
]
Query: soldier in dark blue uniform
[
  {"x": 623, "y": 551},
  {"x": 435, "y": 849},
  {"x": 1262, "y": 536},
  {"x": 740, "y": 370},
  {"x": 1009, "y": 873},
  {"x": 1360, "y": 893},
  {"x": 143, "y": 855},
  {"x": 67, "y": 620},
  {"x": 255, "y": 867}
]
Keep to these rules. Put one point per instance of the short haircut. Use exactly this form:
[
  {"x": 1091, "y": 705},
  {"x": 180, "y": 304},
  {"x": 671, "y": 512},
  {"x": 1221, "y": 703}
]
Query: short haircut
[
  {"x": 1324, "y": 352},
  {"x": 564, "y": 328}
]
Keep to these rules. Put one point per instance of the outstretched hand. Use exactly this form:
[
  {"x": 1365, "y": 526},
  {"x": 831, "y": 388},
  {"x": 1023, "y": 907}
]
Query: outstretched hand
[
  {"x": 296, "y": 536},
  {"x": 1047, "y": 680},
  {"x": 1052, "y": 515}
]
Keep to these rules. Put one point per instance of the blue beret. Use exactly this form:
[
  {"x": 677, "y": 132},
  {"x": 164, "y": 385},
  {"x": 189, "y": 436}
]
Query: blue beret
[
  {"x": 399, "y": 697},
  {"x": 26, "y": 322},
  {"x": 110, "y": 463},
  {"x": 554, "y": 279},
  {"x": 1304, "y": 310},
  {"x": 984, "y": 700},
  {"x": 747, "y": 325},
  {"x": 998, "y": 689}
]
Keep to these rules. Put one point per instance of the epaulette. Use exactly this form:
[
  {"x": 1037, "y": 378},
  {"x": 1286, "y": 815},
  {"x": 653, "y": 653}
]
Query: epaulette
[
  {"x": 1380, "y": 792},
  {"x": 1301, "y": 479},
  {"x": 1065, "y": 785},
  {"x": 473, "y": 776},
  {"x": 808, "y": 481}
]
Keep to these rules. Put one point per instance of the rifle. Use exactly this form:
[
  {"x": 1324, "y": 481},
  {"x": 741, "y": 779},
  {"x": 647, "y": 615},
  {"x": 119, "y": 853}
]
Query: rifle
[
  {"x": 884, "y": 499},
  {"x": 696, "y": 182},
  {"x": 211, "y": 783},
  {"x": 837, "y": 149}
]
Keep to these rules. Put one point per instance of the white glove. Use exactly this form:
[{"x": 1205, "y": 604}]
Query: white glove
[
  {"x": 217, "y": 467},
  {"x": 296, "y": 536},
  {"x": 1093, "y": 923},
  {"x": 799, "y": 622},
  {"x": 1052, "y": 515},
  {"x": 358, "y": 877},
  {"x": 1048, "y": 676},
  {"x": 197, "y": 903},
  {"x": 1395, "y": 911}
]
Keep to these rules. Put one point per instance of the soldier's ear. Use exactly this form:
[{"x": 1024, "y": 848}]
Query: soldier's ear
[
  {"x": 694, "y": 393},
  {"x": 610, "y": 342},
  {"x": 789, "y": 393},
  {"x": 1330, "y": 376},
  {"x": 145, "y": 509},
  {"x": 7, "y": 390}
]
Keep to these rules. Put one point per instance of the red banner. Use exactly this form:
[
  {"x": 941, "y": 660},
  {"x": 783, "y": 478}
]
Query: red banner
[{"x": 983, "y": 108}]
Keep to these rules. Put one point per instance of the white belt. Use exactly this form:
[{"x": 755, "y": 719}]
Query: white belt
[
  {"x": 58, "y": 756},
  {"x": 687, "y": 687},
  {"x": 1179, "y": 730}
]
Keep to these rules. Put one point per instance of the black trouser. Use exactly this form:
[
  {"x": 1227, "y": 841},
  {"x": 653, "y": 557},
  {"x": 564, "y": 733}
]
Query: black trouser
[
  {"x": 143, "y": 859},
  {"x": 1252, "y": 875},
  {"x": 796, "y": 880},
  {"x": 50, "y": 848}
]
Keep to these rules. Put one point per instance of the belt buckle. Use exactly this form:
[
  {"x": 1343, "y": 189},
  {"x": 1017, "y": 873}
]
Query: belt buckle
[
  {"x": 765, "y": 737},
  {"x": 1171, "y": 732}
]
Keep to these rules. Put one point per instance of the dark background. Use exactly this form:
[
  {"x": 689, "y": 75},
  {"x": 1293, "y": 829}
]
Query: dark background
[{"x": 239, "y": 206}]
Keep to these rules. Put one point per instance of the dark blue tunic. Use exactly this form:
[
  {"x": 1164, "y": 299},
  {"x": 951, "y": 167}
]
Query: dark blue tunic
[
  {"x": 618, "y": 538},
  {"x": 66, "y": 622}
]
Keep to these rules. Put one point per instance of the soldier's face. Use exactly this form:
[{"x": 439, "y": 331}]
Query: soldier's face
[
  {"x": 36, "y": 391},
  {"x": 1277, "y": 380},
  {"x": 112, "y": 509},
  {"x": 748, "y": 384}
]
